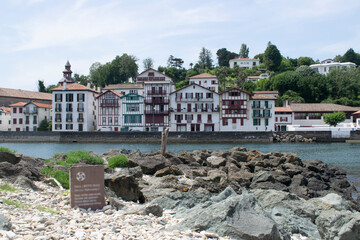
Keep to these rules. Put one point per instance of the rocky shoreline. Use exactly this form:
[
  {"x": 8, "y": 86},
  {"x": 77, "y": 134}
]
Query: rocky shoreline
[{"x": 233, "y": 194}]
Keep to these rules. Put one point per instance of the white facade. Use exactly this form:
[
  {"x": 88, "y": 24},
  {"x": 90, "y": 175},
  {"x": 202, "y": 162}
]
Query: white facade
[
  {"x": 194, "y": 109},
  {"x": 132, "y": 112},
  {"x": 244, "y": 62},
  {"x": 157, "y": 87},
  {"x": 325, "y": 68},
  {"x": 109, "y": 111},
  {"x": 205, "y": 80},
  {"x": 28, "y": 116},
  {"x": 5, "y": 119},
  {"x": 283, "y": 118},
  {"x": 235, "y": 111},
  {"x": 126, "y": 88},
  {"x": 262, "y": 111}
]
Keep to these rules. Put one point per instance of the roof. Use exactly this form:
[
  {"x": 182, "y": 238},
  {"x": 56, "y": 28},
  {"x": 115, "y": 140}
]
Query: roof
[
  {"x": 262, "y": 97},
  {"x": 193, "y": 85},
  {"x": 18, "y": 104},
  {"x": 283, "y": 109},
  {"x": 232, "y": 89},
  {"x": 72, "y": 86},
  {"x": 358, "y": 112},
  {"x": 112, "y": 91},
  {"x": 203, "y": 75},
  {"x": 18, "y": 93},
  {"x": 151, "y": 69},
  {"x": 244, "y": 59},
  {"x": 5, "y": 109},
  {"x": 265, "y": 92},
  {"x": 123, "y": 86},
  {"x": 253, "y": 76},
  {"x": 41, "y": 105},
  {"x": 321, "y": 107}
]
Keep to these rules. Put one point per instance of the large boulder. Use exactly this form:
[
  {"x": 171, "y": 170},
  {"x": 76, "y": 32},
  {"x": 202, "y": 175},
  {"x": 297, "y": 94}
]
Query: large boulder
[
  {"x": 232, "y": 215},
  {"x": 149, "y": 163},
  {"x": 28, "y": 167},
  {"x": 10, "y": 157}
]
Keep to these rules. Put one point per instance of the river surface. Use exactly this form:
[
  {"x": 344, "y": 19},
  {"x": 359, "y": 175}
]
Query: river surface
[{"x": 343, "y": 155}]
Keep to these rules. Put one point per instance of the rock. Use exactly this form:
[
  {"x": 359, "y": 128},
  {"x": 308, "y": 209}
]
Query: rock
[
  {"x": 116, "y": 203},
  {"x": 154, "y": 209},
  {"x": 215, "y": 161},
  {"x": 25, "y": 182},
  {"x": 5, "y": 223},
  {"x": 331, "y": 200},
  {"x": 124, "y": 186},
  {"x": 172, "y": 170},
  {"x": 10, "y": 157},
  {"x": 149, "y": 164},
  {"x": 232, "y": 215},
  {"x": 28, "y": 167},
  {"x": 240, "y": 156}
]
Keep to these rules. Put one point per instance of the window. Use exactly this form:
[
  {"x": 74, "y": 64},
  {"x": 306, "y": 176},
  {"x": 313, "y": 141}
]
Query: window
[
  {"x": 103, "y": 111},
  {"x": 234, "y": 120},
  {"x": 69, "y": 97},
  {"x": 57, "y": 117},
  {"x": 69, "y": 107},
  {"x": 58, "y": 126},
  {"x": 80, "y": 107},
  {"x": 34, "y": 119},
  {"x": 104, "y": 121},
  {"x": 116, "y": 120},
  {"x": 134, "y": 91},
  {"x": 209, "y": 95},
  {"x": 69, "y": 126},
  {"x": 256, "y": 122},
  {"x": 69, "y": 117},
  {"x": 81, "y": 97},
  {"x": 266, "y": 122},
  {"x": 58, "y": 97},
  {"x": 14, "y": 110},
  {"x": 110, "y": 120},
  {"x": 20, "y": 110},
  {"x": 81, "y": 117},
  {"x": 132, "y": 107},
  {"x": 20, "y": 121},
  {"x": 14, "y": 121},
  {"x": 225, "y": 121}
]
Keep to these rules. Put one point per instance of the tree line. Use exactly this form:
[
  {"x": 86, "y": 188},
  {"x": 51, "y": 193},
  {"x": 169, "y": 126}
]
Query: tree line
[{"x": 292, "y": 77}]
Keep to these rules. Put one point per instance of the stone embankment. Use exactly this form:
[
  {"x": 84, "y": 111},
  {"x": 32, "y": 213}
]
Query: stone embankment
[
  {"x": 237, "y": 194},
  {"x": 290, "y": 137}
]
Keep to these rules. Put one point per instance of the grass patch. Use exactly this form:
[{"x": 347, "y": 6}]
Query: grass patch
[
  {"x": 75, "y": 157},
  {"x": 62, "y": 177},
  {"x": 7, "y": 188},
  {"x": 46, "y": 209},
  {"x": 15, "y": 203},
  {"x": 118, "y": 161},
  {"x": 6, "y": 149}
]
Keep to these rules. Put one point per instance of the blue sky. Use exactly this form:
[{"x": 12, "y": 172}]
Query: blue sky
[{"x": 38, "y": 36}]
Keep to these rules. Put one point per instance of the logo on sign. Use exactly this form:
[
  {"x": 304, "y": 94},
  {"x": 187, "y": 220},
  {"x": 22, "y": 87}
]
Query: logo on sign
[{"x": 80, "y": 176}]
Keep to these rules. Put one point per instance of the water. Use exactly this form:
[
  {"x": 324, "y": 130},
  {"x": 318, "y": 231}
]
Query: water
[{"x": 343, "y": 155}]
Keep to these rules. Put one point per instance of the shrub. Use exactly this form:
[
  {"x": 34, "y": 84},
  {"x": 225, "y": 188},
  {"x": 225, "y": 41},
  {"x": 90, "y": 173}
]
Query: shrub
[
  {"x": 6, "y": 149},
  {"x": 75, "y": 157},
  {"x": 118, "y": 161},
  {"x": 7, "y": 188},
  {"x": 62, "y": 177}
]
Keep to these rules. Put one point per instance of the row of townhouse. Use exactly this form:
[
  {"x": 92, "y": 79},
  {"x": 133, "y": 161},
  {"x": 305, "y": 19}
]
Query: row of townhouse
[{"x": 153, "y": 104}]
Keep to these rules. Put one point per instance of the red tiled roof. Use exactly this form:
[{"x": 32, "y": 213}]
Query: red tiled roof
[
  {"x": 265, "y": 92},
  {"x": 151, "y": 69},
  {"x": 123, "y": 86},
  {"x": 260, "y": 96},
  {"x": 112, "y": 91},
  {"x": 18, "y": 104},
  {"x": 193, "y": 85},
  {"x": 244, "y": 59},
  {"x": 321, "y": 107},
  {"x": 72, "y": 86},
  {"x": 203, "y": 75},
  {"x": 283, "y": 109},
  {"x": 41, "y": 105},
  {"x": 18, "y": 93}
]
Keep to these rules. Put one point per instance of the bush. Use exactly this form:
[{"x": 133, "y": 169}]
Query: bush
[
  {"x": 62, "y": 177},
  {"x": 75, "y": 157},
  {"x": 118, "y": 161},
  {"x": 6, "y": 149}
]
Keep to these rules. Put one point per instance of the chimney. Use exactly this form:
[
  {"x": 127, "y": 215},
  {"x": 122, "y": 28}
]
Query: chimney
[
  {"x": 286, "y": 103},
  {"x": 99, "y": 89},
  {"x": 64, "y": 85}
]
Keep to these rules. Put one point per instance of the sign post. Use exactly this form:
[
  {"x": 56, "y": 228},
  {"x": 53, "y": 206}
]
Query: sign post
[{"x": 87, "y": 187}]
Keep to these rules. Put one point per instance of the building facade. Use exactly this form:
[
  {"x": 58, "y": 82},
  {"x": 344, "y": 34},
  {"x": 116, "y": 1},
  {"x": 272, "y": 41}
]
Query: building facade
[
  {"x": 109, "y": 111},
  {"x": 74, "y": 105},
  {"x": 205, "y": 80},
  {"x": 5, "y": 119},
  {"x": 10, "y": 96},
  {"x": 157, "y": 87},
  {"x": 244, "y": 62},
  {"x": 28, "y": 116},
  {"x": 262, "y": 113},
  {"x": 133, "y": 118},
  {"x": 194, "y": 108},
  {"x": 126, "y": 88},
  {"x": 327, "y": 65}
]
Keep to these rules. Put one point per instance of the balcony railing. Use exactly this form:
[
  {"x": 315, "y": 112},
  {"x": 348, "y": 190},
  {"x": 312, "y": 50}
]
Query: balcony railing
[
  {"x": 69, "y": 109},
  {"x": 58, "y": 109},
  {"x": 267, "y": 115},
  {"x": 157, "y": 101},
  {"x": 80, "y": 119},
  {"x": 69, "y": 119},
  {"x": 181, "y": 99},
  {"x": 30, "y": 111},
  {"x": 80, "y": 109},
  {"x": 261, "y": 106},
  {"x": 157, "y": 112},
  {"x": 258, "y": 115},
  {"x": 115, "y": 104},
  {"x": 57, "y": 119},
  {"x": 209, "y": 121},
  {"x": 157, "y": 92}
]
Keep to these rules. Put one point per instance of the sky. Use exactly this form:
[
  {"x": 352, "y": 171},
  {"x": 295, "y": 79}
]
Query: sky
[{"x": 37, "y": 37}]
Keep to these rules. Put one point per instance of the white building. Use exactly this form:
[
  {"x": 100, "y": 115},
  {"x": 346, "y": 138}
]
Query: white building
[
  {"x": 283, "y": 118},
  {"x": 194, "y": 108},
  {"x": 109, "y": 111},
  {"x": 205, "y": 80},
  {"x": 5, "y": 119},
  {"x": 157, "y": 87},
  {"x": 267, "y": 93},
  {"x": 28, "y": 116},
  {"x": 262, "y": 113},
  {"x": 235, "y": 110},
  {"x": 244, "y": 62},
  {"x": 327, "y": 65},
  {"x": 74, "y": 105},
  {"x": 132, "y": 112},
  {"x": 126, "y": 88}
]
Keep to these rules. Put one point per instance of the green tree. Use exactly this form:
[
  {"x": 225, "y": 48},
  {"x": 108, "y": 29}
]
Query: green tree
[
  {"x": 305, "y": 61},
  {"x": 224, "y": 56},
  {"x": 123, "y": 68},
  {"x": 344, "y": 83},
  {"x": 177, "y": 74},
  {"x": 41, "y": 86},
  {"x": 205, "y": 59},
  {"x": 272, "y": 58},
  {"x": 286, "y": 81},
  {"x": 351, "y": 56},
  {"x": 174, "y": 62},
  {"x": 260, "y": 56},
  {"x": 48, "y": 88},
  {"x": 240, "y": 77},
  {"x": 334, "y": 119},
  {"x": 221, "y": 74},
  {"x": 44, "y": 125},
  {"x": 82, "y": 79},
  {"x": 148, "y": 63},
  {"x": 244, "y": 51},
  {"x": 98, "y": 73}
]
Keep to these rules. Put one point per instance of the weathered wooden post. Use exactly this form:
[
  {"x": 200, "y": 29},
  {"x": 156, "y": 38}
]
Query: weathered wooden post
[{"x": 164, "y": 137}]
